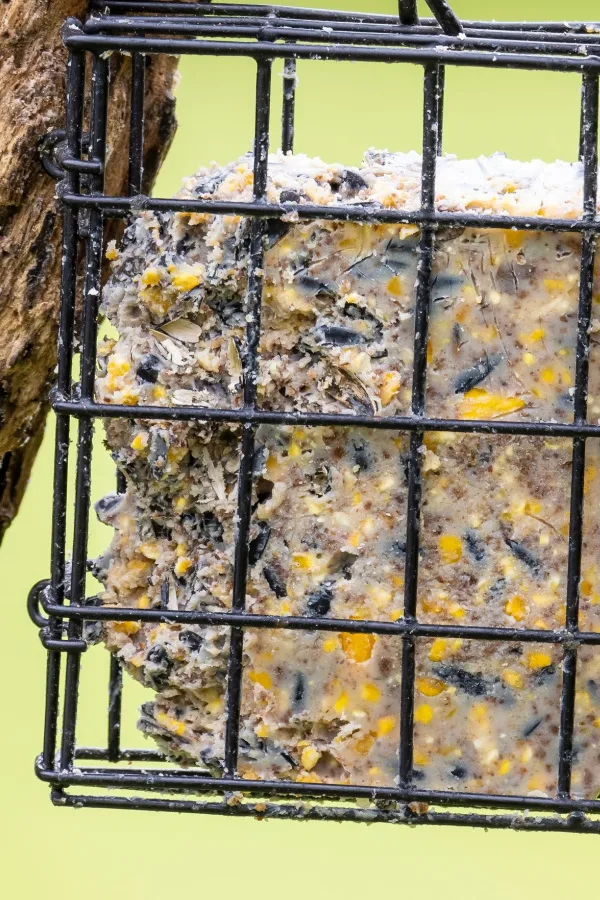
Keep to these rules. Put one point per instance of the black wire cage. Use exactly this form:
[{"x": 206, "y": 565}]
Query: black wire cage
[{"x": 113, "y": 776}]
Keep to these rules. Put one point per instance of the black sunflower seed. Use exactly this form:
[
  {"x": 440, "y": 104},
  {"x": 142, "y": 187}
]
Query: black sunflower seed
[
  {"x": 191, "y": 640},
  {"x": 471, "y": 683},
  {"x": 149, "y": 368},
  {"x": 525, "y": 556},
  {"x": 338, "y": 336},
  {"x": 319, "y": 602},
  {"x": 257, "y": 545},
  {"x": 275, "y": 582},
  {"x": 475, "y": 546},
  {"x": 299, "y": 691},
  {"x": 477, "y": 373}
]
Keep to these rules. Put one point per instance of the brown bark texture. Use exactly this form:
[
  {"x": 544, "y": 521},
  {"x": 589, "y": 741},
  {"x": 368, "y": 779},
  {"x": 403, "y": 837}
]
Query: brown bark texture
[{"x": 32, "y": 102}]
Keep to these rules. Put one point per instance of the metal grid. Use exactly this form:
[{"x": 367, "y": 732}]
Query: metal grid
[{"x": 264, "y": 34}]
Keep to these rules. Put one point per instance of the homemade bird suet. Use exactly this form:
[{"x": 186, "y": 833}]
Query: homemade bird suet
[{"x": 328, "y": 533}]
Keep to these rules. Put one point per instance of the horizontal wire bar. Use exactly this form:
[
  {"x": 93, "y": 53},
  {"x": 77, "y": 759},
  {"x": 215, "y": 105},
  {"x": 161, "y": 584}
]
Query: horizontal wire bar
[
  {"x": 520, "y": 38},
  {"x": 302, "y": 31},
  {"x": 187, "y": 780},
  {"x": 575, "y": 823},
  {"x": 304, "y": 623},
  {"x": 102, "y": 753},
  {"x": 88, "y": 409},
  {"x": 286, "y": 12},
  {"x": 357, "y": 213},
  {"x": 76, "y": 39}
]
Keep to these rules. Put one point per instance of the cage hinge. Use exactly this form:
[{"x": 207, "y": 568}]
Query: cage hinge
[
  {"x": 50, "y": 634},
  {"x": 57, "y": 161}
]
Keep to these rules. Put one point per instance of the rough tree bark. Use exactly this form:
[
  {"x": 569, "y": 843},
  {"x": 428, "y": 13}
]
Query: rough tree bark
[{"x": 32, "y": 102}]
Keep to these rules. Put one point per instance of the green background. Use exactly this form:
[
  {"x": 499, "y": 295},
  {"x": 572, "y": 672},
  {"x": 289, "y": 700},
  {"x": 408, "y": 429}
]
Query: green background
[{"x": 47, "y": 852}]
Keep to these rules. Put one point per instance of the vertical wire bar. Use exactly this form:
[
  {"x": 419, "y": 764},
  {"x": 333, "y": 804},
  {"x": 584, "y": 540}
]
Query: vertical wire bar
[
  {"x": 431, "y": 107},
  {"x": 589, "y": 146},
  {"x": 74, "y": 109},
  {"x": 85, "y": 434},
  {"x": 439, "y": 92},
  {"x": 407, "y": 10},
  {"x": 289, "y": 105},
  {"x": 136, "y": 124},
  {"x": 244, "y": 512},
  {"x": 136, "y": 173},
  {"x": 115, "y": 694}
]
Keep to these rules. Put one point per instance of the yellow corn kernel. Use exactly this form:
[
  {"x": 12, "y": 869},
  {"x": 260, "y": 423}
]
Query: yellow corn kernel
[
  {"x": 118, "y": 367},
  {"x": 357, "y": 647},
  {"x": 140, "y": 441},
  {"x": 430, "y": 687},
  {"x": 395, "y": 614},
  {"x": 355, "y": 539},
  {"x": 516, "y": 607},
  {"x": 138, "y": 565},
  {"x": 513, "y": 679},
  {"x": 310, "y": 757},
  {"x": 479, "y": 404},
  {"x": 370, "y": 693},
  {"x": 554, "y": 285},
  {"x": 385, "y": 725},
  {"x": 394, "y": 286},
  {"x": 126, "y": 627},
  {"x": 513, "y": 238},
  {"x": 389, "y": 387},
  {"x": 586, "y": 587},
  {"x": 548, "y": 376},
  {"x": 423, "y": 713},
  {"x": 526, "y": 754},
  {"x": 262, "y": 730},
  {"x": 504, "y": 767},
  {"x": 597, "y": 722},
  {"x": 457, "y": 611},
  {"x": 185, "y": 281},
  {"x": 150, "y": 549},
  {"x": 365, "y": 744},
  {"x": 420, "y": 759},
  {"x": 356, "y": 499},
  {"x": 181, "y": 549},
  {"x": 294, "y": 451},
  {"x": 143, "y": 602},
  {"x": 182, "y": 565},
  {"x": 171, "y": 724},
  {"x": 438, "y": 650},
  {"x": 538, "y": 659},
  {"x": 330, "y": 644},
  {"x": 386, "y": 483},
  {"x": 176, "y": 454},
  {"x": 451, "y": 548},
  {"x": 341, "y": 703},
  {"x": 528, "y": 358},
  {"x": 381, "y": 597},
  {"x": 111, "y": 251},
  {"x": 261, "y": 678},
  {"x": 180, "y": 503},
  {"x": 304, "y": 560},
  {"x": 150, "y": 277},
  {"x": 158, "y": 392},
  {"x": 368, "y": 525},
  {"x": 536, "y": 783},
  {"x": 130, "y": 398},
  {"x": 375, "y": 770},
  {"x": 478, "y": 713}
]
